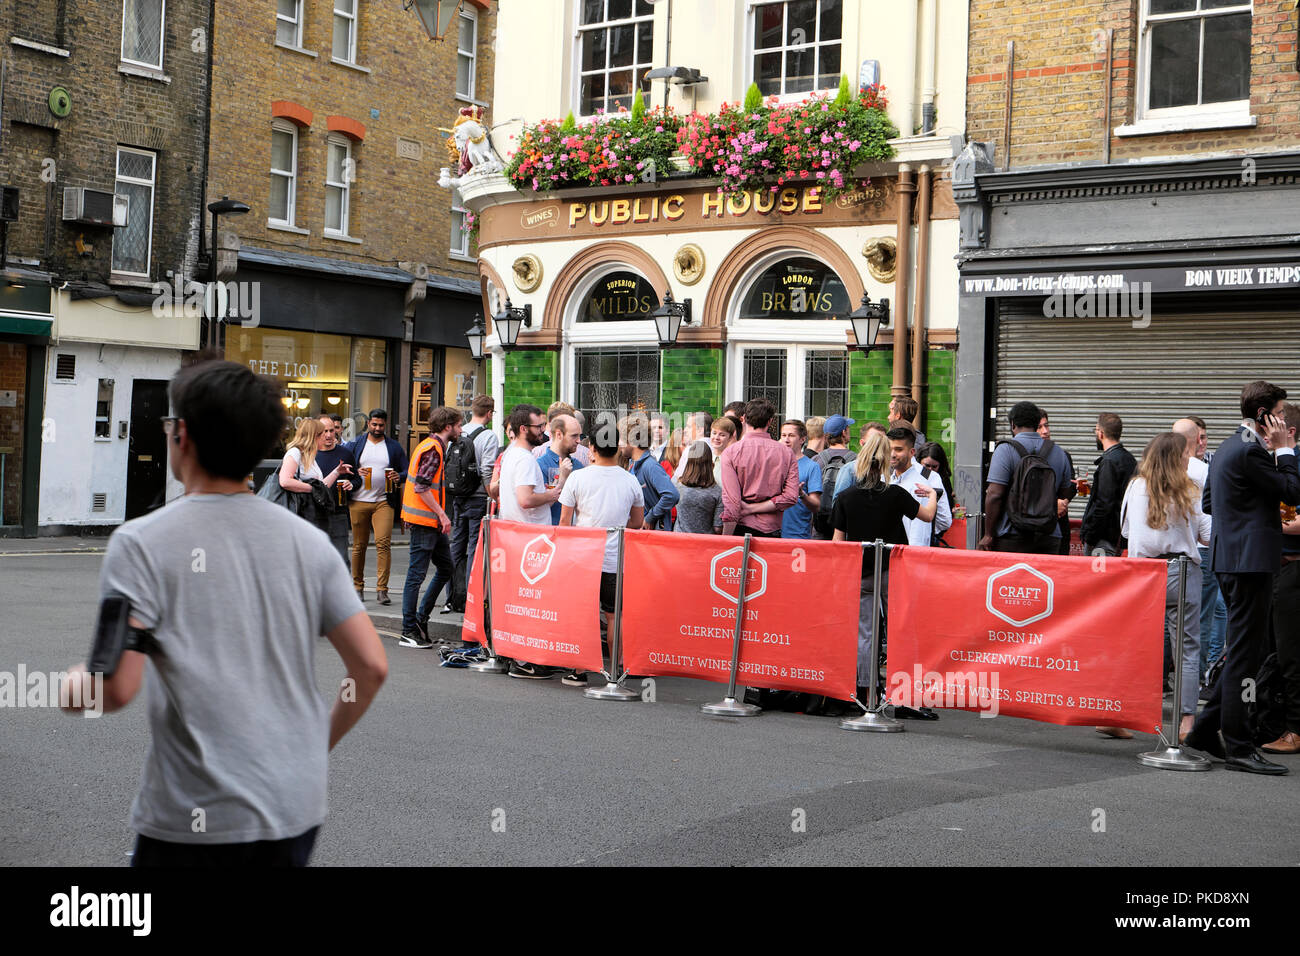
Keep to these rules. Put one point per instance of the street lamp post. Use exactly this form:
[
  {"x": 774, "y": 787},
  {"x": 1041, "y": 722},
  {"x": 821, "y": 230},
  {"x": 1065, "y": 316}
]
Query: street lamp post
[
  {"x": 509, "y": 321},
  {"x": 668, "y": 319},
  {"x": 225, "y": 206},
  {"x": 435, "y": 15},
  {"x": 867, "y": 320}
]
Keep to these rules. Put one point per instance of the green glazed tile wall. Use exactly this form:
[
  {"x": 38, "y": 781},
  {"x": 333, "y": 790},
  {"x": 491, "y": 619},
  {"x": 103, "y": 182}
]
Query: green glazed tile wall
[
  {"x": 692, "y": 381},
  {"x": 529, "y": 378},
  {"x": 870, "y": 376}
]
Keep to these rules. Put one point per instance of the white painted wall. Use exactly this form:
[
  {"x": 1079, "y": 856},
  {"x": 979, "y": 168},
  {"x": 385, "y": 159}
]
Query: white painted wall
[{"x": 74, "y": 464}]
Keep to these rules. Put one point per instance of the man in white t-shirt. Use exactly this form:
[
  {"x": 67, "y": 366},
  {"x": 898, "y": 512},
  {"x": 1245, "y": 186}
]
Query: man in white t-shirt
[
  {"x": 523, "y": 491},
  {"x": 602, "y": 495},
  {"x": 907, "y": 471}
]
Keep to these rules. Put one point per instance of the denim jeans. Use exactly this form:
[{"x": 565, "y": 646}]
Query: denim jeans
[
  {"x": 1214, "y": 615},
  {"x": 467, "y": 515},
  {"x": 426, "y": 543}
]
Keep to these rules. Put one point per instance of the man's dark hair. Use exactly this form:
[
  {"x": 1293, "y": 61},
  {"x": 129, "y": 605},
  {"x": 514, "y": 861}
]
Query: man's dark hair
[
  {"x": 1111, "y": 425},
  {"x": 377, "y": 413},
  {"x": 1024, "y": 415},
  {"x": 800, "y": 428},
  {"x": 902, "y": 433},
  {"x": 521, "y": 416},
  {"x": 758, "y": 412},
  {"x": 442, "y": 418},
  {"x": 482, "y": 405},
  {"x": 734, "y": 409},
  {"x": 604, "y": 440},
  {"x": 336, "y": 419},
  {"x": 1042, "y": 411},
  {"x": 1200, "y": 422},
  {"x": 233, "y": 416},
  {"x": 1259, "y": 395}
]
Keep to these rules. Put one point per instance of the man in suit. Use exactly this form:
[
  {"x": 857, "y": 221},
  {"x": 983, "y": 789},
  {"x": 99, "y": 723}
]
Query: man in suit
[{"x": 1245, "y": 487}]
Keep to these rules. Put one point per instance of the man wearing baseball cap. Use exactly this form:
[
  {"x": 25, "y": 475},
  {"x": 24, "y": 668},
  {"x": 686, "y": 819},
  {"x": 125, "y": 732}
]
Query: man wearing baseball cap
[{"x": 832, "y": 460}]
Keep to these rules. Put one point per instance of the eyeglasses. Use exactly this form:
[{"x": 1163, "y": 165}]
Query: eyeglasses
[
  {"x": 169, "y": 424},
  {"x": 541, "y": 425}
]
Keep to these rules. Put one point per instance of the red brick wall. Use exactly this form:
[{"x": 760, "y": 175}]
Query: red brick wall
[{"x": 1058, "y": 107}]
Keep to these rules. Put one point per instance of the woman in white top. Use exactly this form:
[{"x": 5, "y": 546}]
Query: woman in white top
[
  {"x": 1161, "y": 517},
  {"x": 300, "y": 461}
]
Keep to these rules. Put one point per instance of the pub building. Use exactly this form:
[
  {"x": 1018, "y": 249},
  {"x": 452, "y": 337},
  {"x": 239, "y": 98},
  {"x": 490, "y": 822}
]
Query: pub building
[
  {"x": 1174, "y": 285},
  {"x": 771, "y": 277}
]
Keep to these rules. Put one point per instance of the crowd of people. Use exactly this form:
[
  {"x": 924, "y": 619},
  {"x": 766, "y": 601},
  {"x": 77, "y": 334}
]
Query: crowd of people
[{"x": 746, "y": 472}]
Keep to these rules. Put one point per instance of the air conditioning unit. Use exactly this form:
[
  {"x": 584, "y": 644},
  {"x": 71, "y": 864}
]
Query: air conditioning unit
[{"x": 94, "y": 207}]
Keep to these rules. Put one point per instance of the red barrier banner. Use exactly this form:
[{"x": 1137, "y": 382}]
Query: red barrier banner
[
  {"x": 955, "y": 536},
  {"x": 546, "y": 594},
  {"x": 471, "y": 629},
  {"x": 1046, "y": 637},
  {"x": 680, "y": 594}
]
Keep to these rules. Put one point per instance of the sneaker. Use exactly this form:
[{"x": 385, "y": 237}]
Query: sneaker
[
  {"x": 422, "y": 628},
  {"x": 410, "y": 639},
  {"x": 574, "y": 679},
  {"x": 527, "y": 671}
]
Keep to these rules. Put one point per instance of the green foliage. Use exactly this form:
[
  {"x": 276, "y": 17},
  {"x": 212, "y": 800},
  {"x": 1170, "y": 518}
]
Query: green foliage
[
  {"x": 753, "y": 99},
  {"x": 844, "y": 96},
  {"x": 638, "y": 106}
]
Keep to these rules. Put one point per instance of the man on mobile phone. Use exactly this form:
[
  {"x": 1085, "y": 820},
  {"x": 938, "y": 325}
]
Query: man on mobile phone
[
  {"x": 235, "y": 590},
  {"x": 1251, "y": 474}
]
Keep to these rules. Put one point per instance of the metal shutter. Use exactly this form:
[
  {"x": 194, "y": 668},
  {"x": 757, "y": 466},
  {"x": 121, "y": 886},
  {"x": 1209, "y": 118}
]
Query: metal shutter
[{"x": 1180, "y": 365}]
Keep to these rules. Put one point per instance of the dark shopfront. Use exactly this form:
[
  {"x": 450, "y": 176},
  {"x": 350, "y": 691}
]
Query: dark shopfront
[
  {"x": 1154, "y": 291},
  {"x": 25, "y": 324},
  {"x": 344, "y": 338}
]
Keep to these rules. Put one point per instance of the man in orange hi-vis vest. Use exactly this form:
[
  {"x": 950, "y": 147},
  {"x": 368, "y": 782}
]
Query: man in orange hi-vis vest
[{"x": 423, "y": 504}]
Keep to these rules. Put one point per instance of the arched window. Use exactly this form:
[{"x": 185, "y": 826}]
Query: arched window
[
  {"x": 618, "y": 297},
  {"x": 796, "y": 288}
]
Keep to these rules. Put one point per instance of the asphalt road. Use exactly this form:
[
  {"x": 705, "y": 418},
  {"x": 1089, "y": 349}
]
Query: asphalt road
[{"x": 445, "y": 754}]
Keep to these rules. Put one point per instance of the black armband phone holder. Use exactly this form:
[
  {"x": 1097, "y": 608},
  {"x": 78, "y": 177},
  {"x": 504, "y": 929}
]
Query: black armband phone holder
[{"x": 114, "y": 634}]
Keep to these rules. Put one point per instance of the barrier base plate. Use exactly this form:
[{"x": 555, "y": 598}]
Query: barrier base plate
[
  {"x": 730, "y": 707},
  {"x": 493, "y": 665},
  {"x": 873, "y": 723},
  {"x": 1173, "y": 758},
  {"x": 611, "y": 691}
]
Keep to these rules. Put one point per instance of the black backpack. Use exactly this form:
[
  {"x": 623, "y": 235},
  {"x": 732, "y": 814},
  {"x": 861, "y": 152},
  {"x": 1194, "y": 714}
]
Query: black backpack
[
  {"x": 461, "y": 477},
  {"x": 1031, "y": 495},
  {"x": 830, "y": 474}
]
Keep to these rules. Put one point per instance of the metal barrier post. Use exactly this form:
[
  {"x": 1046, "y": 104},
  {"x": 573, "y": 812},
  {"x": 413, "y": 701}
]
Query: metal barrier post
[
  {"x": 729, "y": 707},
  {"x": 493, "y": 664},
  {"x": 873, "y": 721},
  {"x": 1172, "y": 756},
  {"x": 614, "y": 689}
]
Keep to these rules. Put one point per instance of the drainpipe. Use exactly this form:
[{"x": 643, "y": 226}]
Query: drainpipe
[
  {"x": 906, "y": 61},
  {"x": 929, "y": 59},
  {"x": 906, "y": 192},
  {"x": 922, "y": 283}
]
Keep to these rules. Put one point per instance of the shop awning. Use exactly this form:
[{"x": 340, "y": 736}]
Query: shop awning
[{"x": 29, "y": 325}]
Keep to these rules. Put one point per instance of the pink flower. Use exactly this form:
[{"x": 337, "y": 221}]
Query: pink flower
[{"x": 855, "y": 145}]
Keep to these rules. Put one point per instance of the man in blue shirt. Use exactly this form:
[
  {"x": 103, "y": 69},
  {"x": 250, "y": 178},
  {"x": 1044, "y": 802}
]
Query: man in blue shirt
[
  {"x": 796, "y": 521},
  {"x": 998, "y": 532},
  {"x": 660, "y": 494},
  {"x": 565, "y": 433}
]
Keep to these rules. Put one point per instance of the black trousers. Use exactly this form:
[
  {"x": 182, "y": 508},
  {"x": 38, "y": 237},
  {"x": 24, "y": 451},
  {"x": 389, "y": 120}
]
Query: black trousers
[
  {"x": 294, "y": 851},
  {"x": 1249, "y": 600},
  {"x": 1023, "y": 544},
  {"x": 1286, "y": 637}
]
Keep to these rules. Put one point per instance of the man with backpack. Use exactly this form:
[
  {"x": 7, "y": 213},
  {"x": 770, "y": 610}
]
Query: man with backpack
[
  {"x": 1027, "y": 476},
  {"x": 831, "y": 460},
  {"x": 469, "y": 472}
]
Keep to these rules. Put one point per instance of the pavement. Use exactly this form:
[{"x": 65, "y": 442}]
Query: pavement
[{"x": 454, "y": 767}]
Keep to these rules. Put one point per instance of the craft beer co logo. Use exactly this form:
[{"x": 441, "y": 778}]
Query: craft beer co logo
[
  {"x": 724, "y": 575},
  {"x": 537, "y": 558},
  {"x": 1019, "y": 595}
]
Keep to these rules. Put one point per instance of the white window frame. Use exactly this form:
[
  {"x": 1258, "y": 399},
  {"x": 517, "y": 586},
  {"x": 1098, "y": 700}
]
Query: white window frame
[
  {"x": 296, "y": 20},
  {"x": 291, "y": 174},
  {"x": 458, "y": 208},
  {"x": 162, "y": 37},
  {"x": 467, "y": 16},
  {"x": 1226, "y": 109},
  {"x": 345, "y": 207},
  {"x": 152, "y": 183},
  {"x": 751, "y": 38},
  {"x": 579, "y": 72},
  {"x": 352, "y": 32}
]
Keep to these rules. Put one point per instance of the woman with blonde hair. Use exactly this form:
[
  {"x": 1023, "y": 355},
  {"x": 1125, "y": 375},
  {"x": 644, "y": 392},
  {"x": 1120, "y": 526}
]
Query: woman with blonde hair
[
  {"x": 299, "y": 467},
  {"x": 872, "y": 508},
  {"x": 1161, "y": 517}
]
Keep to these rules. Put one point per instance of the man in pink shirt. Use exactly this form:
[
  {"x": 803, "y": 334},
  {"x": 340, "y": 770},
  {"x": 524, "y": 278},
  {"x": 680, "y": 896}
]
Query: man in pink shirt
[{"x": 760, "y": 476}]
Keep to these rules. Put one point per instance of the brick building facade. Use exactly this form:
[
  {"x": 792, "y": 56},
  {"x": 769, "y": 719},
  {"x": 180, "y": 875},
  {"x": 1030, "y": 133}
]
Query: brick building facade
[
  {"x": 108, "y": 97},
  {"x": 1136, "y": 253},
  {"x": 329, "y": 120}
]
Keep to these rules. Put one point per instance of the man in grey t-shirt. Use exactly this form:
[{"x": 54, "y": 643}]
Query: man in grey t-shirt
[{"x": 235, "y": 590}]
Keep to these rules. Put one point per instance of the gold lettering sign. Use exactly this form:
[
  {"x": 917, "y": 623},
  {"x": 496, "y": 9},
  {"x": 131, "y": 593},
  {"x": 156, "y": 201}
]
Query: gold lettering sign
[{"x": 546, "y": 216}]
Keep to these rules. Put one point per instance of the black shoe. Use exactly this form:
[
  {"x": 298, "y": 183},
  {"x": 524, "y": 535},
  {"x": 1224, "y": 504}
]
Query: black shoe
[
  {"x": 448, "y": 609},
  {"x": 1255, "y": 764},
  {"x": 909, "y": 713},
  {"x": 382, "y": 597},
  {"x": 526, "y": 671},
  {"x": 574, "y": 679},
  {"x": 1212, "y": 745},
  {"x": 422, "y": 628},
  {"x": 418, "y": 641}
]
